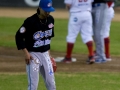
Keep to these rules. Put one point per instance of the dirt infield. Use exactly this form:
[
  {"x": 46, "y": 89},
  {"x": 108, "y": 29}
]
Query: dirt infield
[
  {"x": 25, "y": 12},
  {"x": 12, "y": 60}
]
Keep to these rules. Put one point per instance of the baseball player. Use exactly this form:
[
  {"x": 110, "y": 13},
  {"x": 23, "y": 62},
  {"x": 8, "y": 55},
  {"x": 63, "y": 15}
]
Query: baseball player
[
  {"x": 100, "y": 13},
  {"x": 34, "y": 37},
  {"x": 106, "y": 29},
  {"x": 80, "y": 21}
]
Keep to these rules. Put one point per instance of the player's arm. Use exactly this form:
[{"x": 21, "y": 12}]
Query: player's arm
[
  {"x": 109, "y": 0},
  {"x": 28, "y": 57},
  {"x": 68, "y": 6},
  {"x": 21, "y": 43},
  {"x": 19, "y": 38},
  {"x": 20, "y": 35}
]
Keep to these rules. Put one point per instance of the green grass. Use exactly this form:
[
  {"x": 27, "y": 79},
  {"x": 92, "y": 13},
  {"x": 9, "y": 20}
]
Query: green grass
[
  {"x": 64, "y": 81},
  {"x": 9, "y": 26},
  {"x": 76, "y": 81}
]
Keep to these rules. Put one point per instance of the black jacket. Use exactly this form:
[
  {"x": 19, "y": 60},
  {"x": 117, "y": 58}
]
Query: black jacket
[
  {"x": 37, "y": 36},
  {"x": 102, "y": 1}
]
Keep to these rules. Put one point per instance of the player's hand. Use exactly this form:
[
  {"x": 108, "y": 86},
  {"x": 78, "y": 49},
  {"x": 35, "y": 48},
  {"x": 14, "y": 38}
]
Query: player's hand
[
  {"x": 28, "y": 57},
  {"x": 53, "y": 64}
]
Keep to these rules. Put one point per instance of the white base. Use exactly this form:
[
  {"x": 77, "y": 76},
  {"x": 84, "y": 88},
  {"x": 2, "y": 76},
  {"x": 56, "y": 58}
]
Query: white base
[
  {"x": 108, "y": 59},
  {"x": 59, "y": 59}
]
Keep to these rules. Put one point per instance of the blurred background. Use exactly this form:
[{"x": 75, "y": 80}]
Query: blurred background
[
  {"x": 73, "y": 76},
  {"x": 34, "y": 3},
  {"x": 28, "y": 3},
  {"x": 25, "y": 8}
]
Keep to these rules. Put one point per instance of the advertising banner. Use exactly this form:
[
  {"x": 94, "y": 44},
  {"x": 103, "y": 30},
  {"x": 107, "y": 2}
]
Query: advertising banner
[{"x": 28, "y": 3}]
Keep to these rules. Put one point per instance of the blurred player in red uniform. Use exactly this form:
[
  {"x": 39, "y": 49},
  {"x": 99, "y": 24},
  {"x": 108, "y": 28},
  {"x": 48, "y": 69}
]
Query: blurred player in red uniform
[
  {"x": 80, "y": 21},
  {"x": 106, "y": 29}
]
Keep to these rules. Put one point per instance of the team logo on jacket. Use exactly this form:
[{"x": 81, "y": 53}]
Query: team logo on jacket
[
  {"x": 42, "y": 38},
  {"x": 38, "y": 35},
  {"x": 50, "y": 25},
  {"x": 75, "y": 19}
]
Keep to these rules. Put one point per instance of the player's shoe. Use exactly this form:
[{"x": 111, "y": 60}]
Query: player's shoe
[
  {"x": 103, "y": 61},
  {"x": 95, "y": 55},
  {"x": 100, "y": 61},
  {"x": 67, "y": 60},
  {"x": 108, "y": 59},
  {"x": 91, "y": 60}
]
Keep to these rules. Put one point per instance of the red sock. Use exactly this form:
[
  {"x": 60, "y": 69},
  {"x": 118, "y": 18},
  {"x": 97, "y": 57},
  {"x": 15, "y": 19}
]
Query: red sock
[
  {"x": 106, "y": 43},
  {"x": 90, "y": 48},
  {"x": 109, "y": 3},
  {"x": 69, "y": 49}
]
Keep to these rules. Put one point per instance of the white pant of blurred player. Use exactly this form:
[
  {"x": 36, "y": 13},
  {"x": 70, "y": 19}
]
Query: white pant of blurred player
[
  {"x": 79, "y": 22},
  {"x": 106, "y": 31}
]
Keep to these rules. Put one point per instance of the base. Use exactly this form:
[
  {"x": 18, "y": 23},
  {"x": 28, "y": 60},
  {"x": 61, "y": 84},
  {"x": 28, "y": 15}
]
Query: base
[{"x": 59, "y": 59}]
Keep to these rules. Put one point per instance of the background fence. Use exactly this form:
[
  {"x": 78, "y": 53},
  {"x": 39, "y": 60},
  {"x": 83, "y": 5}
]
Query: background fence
[{"x": 34, "y": 3}]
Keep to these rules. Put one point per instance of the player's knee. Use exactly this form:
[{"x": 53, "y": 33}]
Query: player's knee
[
  {"x": 71, "y": 40},
  {"x": 105, "y": 35},
  {"x": 85, "y": 40}
]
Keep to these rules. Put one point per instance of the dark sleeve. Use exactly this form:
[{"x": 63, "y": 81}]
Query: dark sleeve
[
  {"x": 20, "y": 36},
  {"x": 102, "y": 1},
  {"x": 99, "y": 1},
  {"x": 51, "y": 20},
  {"x": 109, "y": 0},
  {"x": 53, "y": 29}
]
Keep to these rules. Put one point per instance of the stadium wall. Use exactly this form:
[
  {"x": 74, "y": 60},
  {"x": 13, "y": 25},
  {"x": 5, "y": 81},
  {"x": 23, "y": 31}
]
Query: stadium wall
[
  {"x": 28, "y": 3},
  {"x": 34, "y": 3}
]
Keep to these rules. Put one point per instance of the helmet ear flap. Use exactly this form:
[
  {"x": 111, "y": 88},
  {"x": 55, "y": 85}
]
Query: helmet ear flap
[{"x": 38, "y": 11}]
